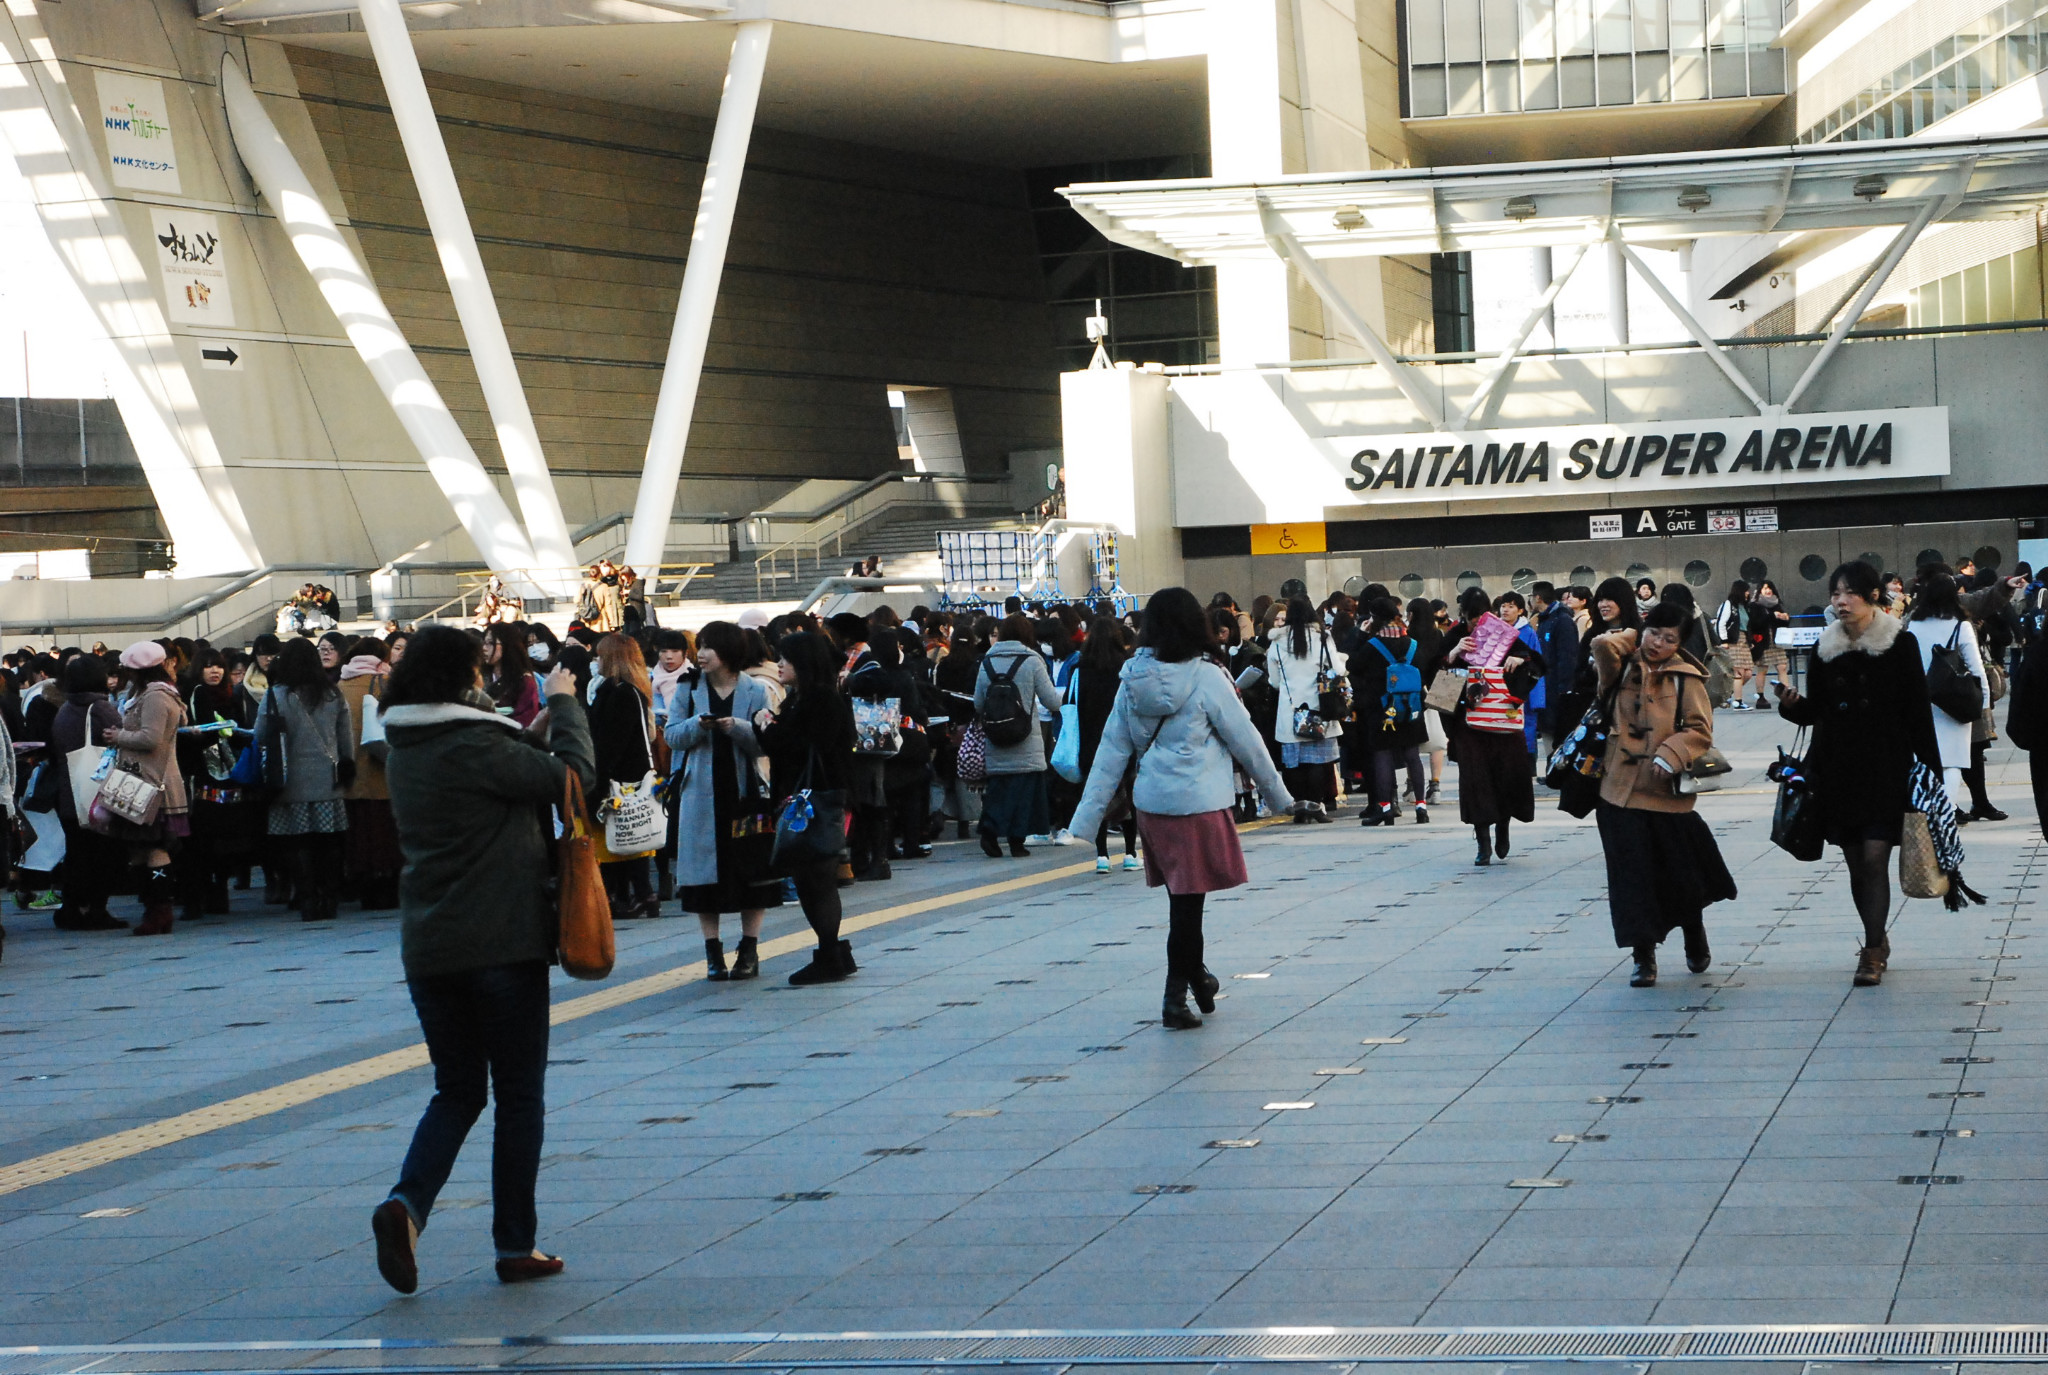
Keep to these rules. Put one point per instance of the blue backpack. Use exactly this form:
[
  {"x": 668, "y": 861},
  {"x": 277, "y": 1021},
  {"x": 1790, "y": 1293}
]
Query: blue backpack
[{"x": 1402, "y": 700}]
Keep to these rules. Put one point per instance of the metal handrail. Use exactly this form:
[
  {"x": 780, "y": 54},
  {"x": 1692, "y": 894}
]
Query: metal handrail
[{"x": 811, "y": 538}]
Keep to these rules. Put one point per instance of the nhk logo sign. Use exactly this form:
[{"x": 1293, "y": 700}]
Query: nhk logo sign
[{"x": 137, "y": 126}]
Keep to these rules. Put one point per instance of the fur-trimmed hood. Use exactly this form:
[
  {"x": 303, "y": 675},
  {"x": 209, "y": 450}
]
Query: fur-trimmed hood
[{"x": 1836, "y": 641}]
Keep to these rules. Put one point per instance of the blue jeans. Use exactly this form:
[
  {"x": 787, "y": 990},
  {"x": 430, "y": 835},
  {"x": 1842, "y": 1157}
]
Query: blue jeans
[{"x": 483, "y": 1023}]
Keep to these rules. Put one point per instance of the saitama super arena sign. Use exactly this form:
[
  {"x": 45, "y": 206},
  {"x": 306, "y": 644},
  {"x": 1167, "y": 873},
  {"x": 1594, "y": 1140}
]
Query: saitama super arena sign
[{"x": 1770, "y": 450}]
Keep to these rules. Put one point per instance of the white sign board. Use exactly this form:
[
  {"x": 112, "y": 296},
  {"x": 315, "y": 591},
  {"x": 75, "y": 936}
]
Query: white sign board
[
  {"x": 138, "y": 131},
  {"x": 1660, "y": 456},
  {"x": 194, "y": 262},
  {"x": 1248, "y": 449}
]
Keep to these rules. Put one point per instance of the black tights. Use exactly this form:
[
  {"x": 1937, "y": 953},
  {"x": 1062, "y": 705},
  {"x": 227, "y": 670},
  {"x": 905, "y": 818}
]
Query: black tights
[
  {"x": 1184, "y": 936},
  {"x": 1973, "y": 778},
  {"x": 1870, "y": 884},
  {"x": 817, "y": 888}
]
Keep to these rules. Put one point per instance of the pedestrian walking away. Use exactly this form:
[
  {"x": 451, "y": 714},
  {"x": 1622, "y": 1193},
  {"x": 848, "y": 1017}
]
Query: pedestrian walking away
[
  {"x": 1663, "y": 867},
  {"x": 469, "y": 789},
  {"x": 304, "y": 726},
  {"x": 1175, "y": 729},
  {"x": 1866, "y": 702},
  {"x": 1303, "y": 669},
  {"x": 1013, "y": 679}
]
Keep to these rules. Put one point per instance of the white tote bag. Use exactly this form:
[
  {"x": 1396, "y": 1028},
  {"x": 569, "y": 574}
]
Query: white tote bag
[{"x": 634, "y": 819}]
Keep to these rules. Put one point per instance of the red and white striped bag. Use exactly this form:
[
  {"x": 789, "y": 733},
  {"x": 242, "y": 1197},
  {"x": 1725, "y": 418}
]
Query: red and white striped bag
[{"x": 1491, "y": 707}]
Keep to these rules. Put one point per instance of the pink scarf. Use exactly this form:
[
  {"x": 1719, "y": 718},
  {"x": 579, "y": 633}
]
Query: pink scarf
[{"x": 364, "y": 666}]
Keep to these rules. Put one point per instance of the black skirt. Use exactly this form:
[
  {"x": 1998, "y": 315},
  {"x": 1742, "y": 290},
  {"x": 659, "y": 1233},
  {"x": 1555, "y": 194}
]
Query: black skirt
[
  {"x": 1663, "y": 869},
  {"x": 1495, "y": 781},
  {"x": 1014, "y": 805}
]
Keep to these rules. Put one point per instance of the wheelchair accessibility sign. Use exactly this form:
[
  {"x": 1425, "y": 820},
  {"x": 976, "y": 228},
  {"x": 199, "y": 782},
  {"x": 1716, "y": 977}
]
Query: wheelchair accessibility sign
[{"x": 1301, "y": 537}]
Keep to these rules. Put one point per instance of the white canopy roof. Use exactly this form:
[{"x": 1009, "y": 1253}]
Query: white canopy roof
[{"x": 1647, "y": 199}]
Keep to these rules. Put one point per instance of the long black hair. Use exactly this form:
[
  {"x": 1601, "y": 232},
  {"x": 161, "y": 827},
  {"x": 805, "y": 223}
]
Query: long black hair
[
  {"x": 297, "y": 666},
  {"x": 814, "y": 662},
  {"x": 1300, "y": 616},
  {"x": 1104, "y": 650},
  {"x": 1175, "y": 627}
]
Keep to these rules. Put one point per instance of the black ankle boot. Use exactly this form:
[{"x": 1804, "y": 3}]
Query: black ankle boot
[
  {"x": 846, "y": 958},
  {"x": 1500, "y": 839},
  {"x": 1174, "y": 1013},
  {"x": 990, "y": 846},
  {"x": 1485, "y": 855},
  {"x": 1645, "y": 975},
  {"x": 746, "y": 961},
  {"x": 824, "y": 968},
  {"x": 714, "y": 960},
  {"x": 1698, "y": 955},
  {"x": 1205, "y": 986},
  {"x": 1017, "y": 850}
]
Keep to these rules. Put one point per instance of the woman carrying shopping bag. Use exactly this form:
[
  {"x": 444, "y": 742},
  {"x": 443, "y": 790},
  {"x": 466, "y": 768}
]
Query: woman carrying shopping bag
[
  {"x": 1178, "y": 727},
  {"x": 1663, "y": 867}
]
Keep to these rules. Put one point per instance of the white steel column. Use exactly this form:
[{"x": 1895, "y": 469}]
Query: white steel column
[
  {"x": 1872, "y": 284},
  {"x": 1698, "y": 331},
  {"x": 353, "y": 297},
  {"x": 463, "y": 265},
  {"x": 647, "y": 537}
]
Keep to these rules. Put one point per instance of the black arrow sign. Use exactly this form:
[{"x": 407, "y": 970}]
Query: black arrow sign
[{"x": 221, "y": 355}]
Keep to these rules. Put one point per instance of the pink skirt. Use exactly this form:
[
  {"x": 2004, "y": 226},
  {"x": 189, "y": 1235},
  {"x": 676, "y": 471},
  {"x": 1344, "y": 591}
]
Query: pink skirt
[{"x": 1191, "y": 854}]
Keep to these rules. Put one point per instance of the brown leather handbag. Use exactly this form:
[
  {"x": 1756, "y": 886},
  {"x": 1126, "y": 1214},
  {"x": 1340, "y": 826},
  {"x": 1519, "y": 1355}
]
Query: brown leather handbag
[{"x": 587, "y": 944}]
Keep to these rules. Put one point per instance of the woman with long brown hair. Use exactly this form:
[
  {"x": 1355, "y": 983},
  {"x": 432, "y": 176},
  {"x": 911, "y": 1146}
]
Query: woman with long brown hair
[{"x": 622, "y": 734}]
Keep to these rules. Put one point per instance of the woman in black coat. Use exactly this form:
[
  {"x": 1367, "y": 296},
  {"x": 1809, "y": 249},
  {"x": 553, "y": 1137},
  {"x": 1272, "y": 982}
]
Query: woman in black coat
[
  {"x": 1391, "y": 733},
  {"x": 809, "y": 744},
  {"x": 1866, "y": 700},
  {"x": 1097, "y": 677}
]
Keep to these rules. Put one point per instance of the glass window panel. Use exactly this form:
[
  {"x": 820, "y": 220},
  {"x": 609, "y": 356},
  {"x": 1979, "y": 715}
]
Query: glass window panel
[
  {"x": 1688, "y": 76},
  {"x": 1761, "y": 21},
  {"x": 1425, "y": 31},
  {"x": 1612, "y": 26},
  {"x": 1916, "y": 308},
  {"x": 1976, "y": 294},
  {"x": 1951, "y": 300},
  {"x": 1501, "y": 37},
  {"x": 1653, "y": 77},
  {"x": 1724, "y": 22},
  {"x": 1426, "y": 92},
  {"x": 1575, "y": 27},
  {"x": 1728, "y": 73},
  {"x": 1539, "y": 85},
  {"x": 1501, "y": 93},
  {"x": 1652, "y": 30},
  {"x": 1688, "y": 23},
  {"x": 1539, "y": 30},
  {"x": 1462, "y": 94},
  {"x": 1767, "y": 71},
  {"x": 1617, "y": 81},
  {"x": 1576, "y": 89},
  {"x": 1999, "y": 290},
  {"x": 1461, "y": 30}
]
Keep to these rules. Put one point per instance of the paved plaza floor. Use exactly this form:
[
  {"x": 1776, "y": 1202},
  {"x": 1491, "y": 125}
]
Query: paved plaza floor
[{"x": 1430, "y": 1098}]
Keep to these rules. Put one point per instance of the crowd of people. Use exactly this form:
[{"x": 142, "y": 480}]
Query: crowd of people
[{"x": 761, "y": 761}]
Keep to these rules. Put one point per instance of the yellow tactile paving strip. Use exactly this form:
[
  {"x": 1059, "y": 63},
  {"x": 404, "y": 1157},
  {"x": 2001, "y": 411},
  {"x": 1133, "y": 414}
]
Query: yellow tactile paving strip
[{"x": 248, "y": 1107}]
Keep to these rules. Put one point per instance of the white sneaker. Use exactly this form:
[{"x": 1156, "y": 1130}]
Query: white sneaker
[
  {"x": 1102, "y": 864},
  {"x": 1132, "y": 864},
  {"x": 1041, "y": 840}
]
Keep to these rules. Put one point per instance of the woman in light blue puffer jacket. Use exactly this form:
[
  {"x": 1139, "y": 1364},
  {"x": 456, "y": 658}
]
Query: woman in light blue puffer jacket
[{"x": 1178, "y": 717}]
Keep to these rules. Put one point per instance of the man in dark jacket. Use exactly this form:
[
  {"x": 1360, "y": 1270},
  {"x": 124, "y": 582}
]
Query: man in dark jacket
[
  {"x": 1558, "y": 635},
  {"x": 478, "y": 931}
]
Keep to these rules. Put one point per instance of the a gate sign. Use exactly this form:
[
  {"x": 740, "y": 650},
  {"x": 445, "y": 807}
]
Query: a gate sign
[{"x": 1672, "y": 455}]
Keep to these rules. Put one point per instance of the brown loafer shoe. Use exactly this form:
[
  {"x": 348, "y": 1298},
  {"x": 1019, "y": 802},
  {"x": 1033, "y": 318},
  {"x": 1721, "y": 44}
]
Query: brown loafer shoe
[
  {"x": 1871, "y": 962},
  {"x": 519, "y": 1268}
]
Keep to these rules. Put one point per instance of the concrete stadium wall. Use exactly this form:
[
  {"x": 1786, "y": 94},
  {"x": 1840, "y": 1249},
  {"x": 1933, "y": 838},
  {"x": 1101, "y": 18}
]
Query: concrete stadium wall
[{"x": 852, "y": 269}]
